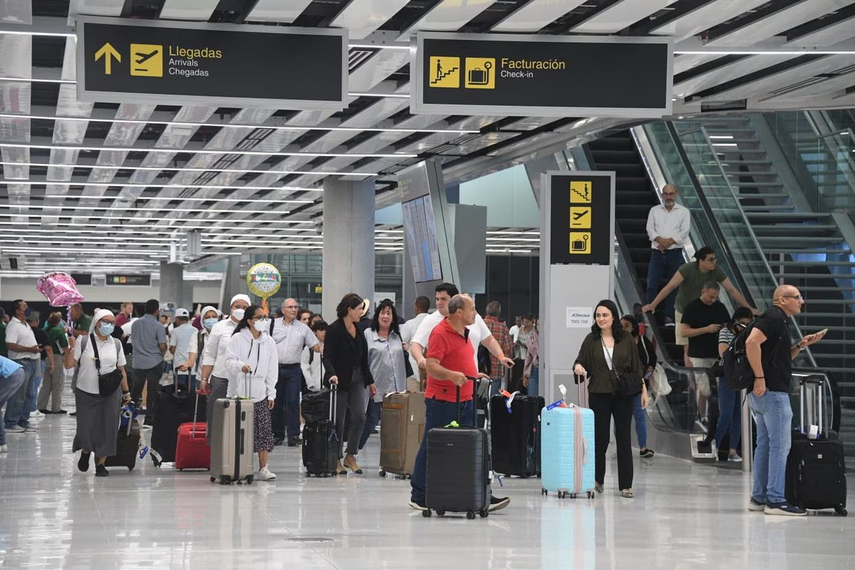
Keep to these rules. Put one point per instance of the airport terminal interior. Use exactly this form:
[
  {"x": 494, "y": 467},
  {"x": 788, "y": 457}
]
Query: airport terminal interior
[{"x": 207, "y": 162}]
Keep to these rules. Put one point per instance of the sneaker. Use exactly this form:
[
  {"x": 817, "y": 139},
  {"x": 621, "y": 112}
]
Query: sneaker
[
  {"x": 756, "y": 506},
  {"x": 734, "y": 458},
  {"x": 497, "y": 504},
  {"x": 83, "y": 462},
  {"x": 264, "y": 474},
  {"x": 4, "y": 448},
  {"x": 418, "y": 505},
  {"x": 784, "y": 509},
  {"x": 101, "y": 471},
  {"x": 278, "y": 441},
  {"x": 15, "y": 429},
  {"x": 646, "y": 453},
  {"x": 31, "y": 429}
]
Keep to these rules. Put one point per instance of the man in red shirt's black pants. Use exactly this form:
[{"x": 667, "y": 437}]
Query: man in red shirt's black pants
[{"x": 450, "y": 364}]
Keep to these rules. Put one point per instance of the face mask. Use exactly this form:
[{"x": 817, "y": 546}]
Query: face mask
[
  {"x": 238, "y": 314},
  {"x": 262, "y": 325},
  {"x": 28, "y": 312},
  {"x": 106, "y": 329},
  {"x": 209, "y": 323}
]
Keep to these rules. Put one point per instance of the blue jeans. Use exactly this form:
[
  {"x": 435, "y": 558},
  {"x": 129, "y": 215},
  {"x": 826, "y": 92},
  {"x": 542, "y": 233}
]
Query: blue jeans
[
  {"x": 730, "y": 415},
  {"x": 640, "y": 415},
  {"x": 663, "y": 266},
  {"x": 8, "y": 387},
  {"x": 438, "y": 413},
  {"x": 17, "y": 410},
  {"x": 286, "y": 408},
  {"x": 32, "y": 403},
  {"x": 773, "y": 416},
  {"x": 534, "y": 382},
  {"x": 372, "y": 418}
]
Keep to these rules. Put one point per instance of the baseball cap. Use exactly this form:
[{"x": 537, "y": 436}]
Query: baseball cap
[{"x": 182, "y": 313}]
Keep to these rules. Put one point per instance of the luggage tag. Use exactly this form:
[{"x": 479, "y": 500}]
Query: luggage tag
[{"x": 510, "y": 398}]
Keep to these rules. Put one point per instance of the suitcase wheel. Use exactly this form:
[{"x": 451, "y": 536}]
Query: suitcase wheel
[
  {"x": 484, "y": 513},
  {"x": 591, "y": 494},
  {"x": 382, "y": 473},
  {"x": 250, "y": 479},
  {"x": 841, "y": 511},
  {"x": 213, "y": 479},
  {"x": 572, "y": 495},
  {"x": 544, "y": 492},
  {"x": 470, "y": 515},
  {"x": 562, "y": 494},
  {"x": 440, "y": 512},
  {"x": 130, "y": 467},
  {"x": 426, "y": 513}
]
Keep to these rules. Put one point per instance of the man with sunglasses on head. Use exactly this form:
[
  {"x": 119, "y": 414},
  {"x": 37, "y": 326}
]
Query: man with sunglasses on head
[
  {"x": 668, "y": 226},
  {"x": 770, "y": 353}
]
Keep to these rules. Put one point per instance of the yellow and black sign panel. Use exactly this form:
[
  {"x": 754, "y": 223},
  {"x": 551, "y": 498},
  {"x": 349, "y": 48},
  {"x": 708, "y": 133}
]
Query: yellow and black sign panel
[
  {"x": 445, "y": 72},
  {"x": 480, "y": 73},
  {"x": 580, "y": 243},
  {"x": 580, "y": 217},
  {"x": 147, "y": 60},
  {"x": 580, "y": 192}
]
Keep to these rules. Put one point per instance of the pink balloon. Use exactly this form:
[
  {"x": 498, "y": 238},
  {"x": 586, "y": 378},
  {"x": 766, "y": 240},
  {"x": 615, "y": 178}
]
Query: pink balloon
[{"x": 60, "y": 289}]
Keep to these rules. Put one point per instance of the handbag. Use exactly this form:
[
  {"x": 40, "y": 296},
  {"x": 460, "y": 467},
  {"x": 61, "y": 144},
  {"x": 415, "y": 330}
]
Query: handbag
[
  {"x": 628, "y": 383},
  {"x": 408, "y": 367},
  {"x": 110, "y": 382}
]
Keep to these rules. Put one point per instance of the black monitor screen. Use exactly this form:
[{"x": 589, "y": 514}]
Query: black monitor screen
[{"x": 420, "y": 229}]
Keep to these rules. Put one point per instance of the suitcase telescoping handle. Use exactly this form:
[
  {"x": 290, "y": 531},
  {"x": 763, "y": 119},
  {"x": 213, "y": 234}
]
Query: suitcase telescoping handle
[
  {"x": 475, "y": 380},
  {"x": 822, "y": 383},
  {"x": 582, "y": 387}
]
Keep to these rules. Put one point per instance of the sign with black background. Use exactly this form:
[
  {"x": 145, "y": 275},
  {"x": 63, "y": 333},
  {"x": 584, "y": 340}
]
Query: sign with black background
[
  {"x": 581, "y": 230},
  {"x": 133, "y": 61},
  {"x": 131, "y": 279},
  {"x": 479, "y": 74}
]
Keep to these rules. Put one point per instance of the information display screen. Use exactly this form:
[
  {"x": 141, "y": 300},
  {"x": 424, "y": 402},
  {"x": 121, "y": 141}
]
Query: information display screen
[{"x": 420, "y": 230}]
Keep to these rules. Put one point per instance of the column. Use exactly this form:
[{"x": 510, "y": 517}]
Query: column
[
  {"x": 172, "y": 284},
  {"x": 232, "y": 283},
  {"x": 348, "y": 242}
]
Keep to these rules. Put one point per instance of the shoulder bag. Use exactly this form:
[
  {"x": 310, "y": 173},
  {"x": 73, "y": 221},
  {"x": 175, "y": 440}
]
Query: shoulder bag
[
  {"x": 110, "y": 382},
  {"x": 628, "y": 383}
]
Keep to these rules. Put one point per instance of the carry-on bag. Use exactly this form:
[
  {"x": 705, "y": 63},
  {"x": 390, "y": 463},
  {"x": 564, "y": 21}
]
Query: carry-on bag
[
  {"x": 816, "y": 467},
  {"x": 515, "y": 434},
  {"x": 173, "y": 406},
  {"x": 127, "y": 445},
  {"x": 403, "y": 419},
  {"x": 321, "y": 443},
  {"x": 567, "y": 448},
  {"x": 192, "y": 450},
  {"x": 232, "y": 439},
  {"x": 458, "y": 470}
]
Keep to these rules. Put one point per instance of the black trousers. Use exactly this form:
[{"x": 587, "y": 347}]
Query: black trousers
[{"x": 606, "y": 406}]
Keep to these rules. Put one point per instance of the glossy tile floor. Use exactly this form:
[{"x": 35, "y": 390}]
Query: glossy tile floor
[{"x": 683, "y": 516}]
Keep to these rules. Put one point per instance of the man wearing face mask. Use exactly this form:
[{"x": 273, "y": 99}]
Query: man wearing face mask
[
  {"x": 149, "y": 345},
  {"x": 24, "y": 350},
  {"x": 292, "y": 335},
  {"x": 215, "y": 374}
]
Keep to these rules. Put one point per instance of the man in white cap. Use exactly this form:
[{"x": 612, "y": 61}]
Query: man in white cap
[
  {"x": 183, "y": 344},
  {"x": 214, "y": 371}
]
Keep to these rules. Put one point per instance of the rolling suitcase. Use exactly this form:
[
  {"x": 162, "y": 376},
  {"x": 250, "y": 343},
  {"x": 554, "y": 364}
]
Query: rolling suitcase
[
  {"x": 232, "y": 440},
  {"x": 567, "y": 444},
  {"x": 127, "y": 446},
  {"x": 173, "y": 406},
  {"x": 403, "y": 419},
  {"x": 458, "y": 470},
  {"x": 321, "y": 444},
  {"x": 816, "y": 468},
  {"x": 192, "y": 450},
  {"x": 515, "y": 434}
]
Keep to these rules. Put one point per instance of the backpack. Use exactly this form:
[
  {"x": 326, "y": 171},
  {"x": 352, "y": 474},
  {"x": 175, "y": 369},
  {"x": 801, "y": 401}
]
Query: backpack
[{"x": 737, "y": 371}]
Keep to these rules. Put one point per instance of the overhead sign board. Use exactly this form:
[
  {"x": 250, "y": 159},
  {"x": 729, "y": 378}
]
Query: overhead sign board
[
  {"x": 488, "y": 74},
  {"x": 132, "y": 279},
  {"x": 181, "y": 62},
  {"x": 582, "y": 221}
]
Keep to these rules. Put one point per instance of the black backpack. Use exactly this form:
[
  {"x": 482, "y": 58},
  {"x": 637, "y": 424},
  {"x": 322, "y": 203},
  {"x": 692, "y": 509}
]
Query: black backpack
[{"x": 737, "y": 371}]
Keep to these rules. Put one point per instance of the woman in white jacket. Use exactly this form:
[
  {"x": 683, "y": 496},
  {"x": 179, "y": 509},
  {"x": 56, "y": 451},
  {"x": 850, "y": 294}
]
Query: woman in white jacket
[{"x": 253, "y": 367}]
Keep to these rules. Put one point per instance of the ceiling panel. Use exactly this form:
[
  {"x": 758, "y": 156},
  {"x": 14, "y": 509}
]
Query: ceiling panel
[
  {"x": 365, "y": 16},
  {"x": 283, "y": 11},
  {"x": 191, "y": 10},
  {"x": 706, "y": 17},
  {"x": 448, "y": 16},
  {"x": 535, "y": 15},
  {"x": 620, "y": 16}
]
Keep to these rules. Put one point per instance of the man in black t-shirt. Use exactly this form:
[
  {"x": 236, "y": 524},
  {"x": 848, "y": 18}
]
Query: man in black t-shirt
[
  {"x": 702, "y": 319},
  {"x": 770, "y": 353}
]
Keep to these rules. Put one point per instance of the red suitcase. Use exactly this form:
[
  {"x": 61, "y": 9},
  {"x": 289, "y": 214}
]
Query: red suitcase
[{"x": 192, "y": 450}]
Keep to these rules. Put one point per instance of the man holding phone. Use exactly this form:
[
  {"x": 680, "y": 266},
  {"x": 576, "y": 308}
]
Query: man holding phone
[{"x": 702, "y": 320}]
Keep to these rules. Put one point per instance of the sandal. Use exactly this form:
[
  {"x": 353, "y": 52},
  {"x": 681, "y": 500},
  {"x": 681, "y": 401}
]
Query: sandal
[
  {"x": 598, "y": 487},
  {"x": 626, "y": 493}
]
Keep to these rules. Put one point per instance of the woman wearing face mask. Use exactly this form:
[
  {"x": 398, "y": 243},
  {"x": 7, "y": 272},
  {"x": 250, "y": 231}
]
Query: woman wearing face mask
[
  {"x": 215, "y": 375},
  {"x": 386, "y": 361},
  {"x": 730, "y": 401},
  {"x": 606, "y": 352},
  {"x": 346, "y": 365},
  {"x": 647, "y": 357},
  {"x": 207, "y": 318},
  {"x": 253, "y": 366},
  {"x": 97, "y": 415}
]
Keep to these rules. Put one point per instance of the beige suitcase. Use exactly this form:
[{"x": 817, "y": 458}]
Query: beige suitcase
[
  {"x": 232, "y": 441},
  {"x": 402, "y": 421}
]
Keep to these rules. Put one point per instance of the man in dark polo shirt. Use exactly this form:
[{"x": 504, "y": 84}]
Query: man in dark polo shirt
[
  {"x": 770, "y": 353},
  {"x": 450, "y": 365}
]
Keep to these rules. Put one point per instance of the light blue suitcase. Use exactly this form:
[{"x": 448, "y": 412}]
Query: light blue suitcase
[{"x": 567, "y": 451}]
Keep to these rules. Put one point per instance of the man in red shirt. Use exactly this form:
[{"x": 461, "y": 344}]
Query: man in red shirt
[{"x": 450, "y": 366}]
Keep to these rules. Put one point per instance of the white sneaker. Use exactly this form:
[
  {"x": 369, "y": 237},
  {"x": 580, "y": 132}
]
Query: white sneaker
[
  {"x": 31, "y": 428},
  {"x": 4, "y": 448},
  {"x": 264, "y": 474},
  {"x": 734, "y": 458},
  {"x": 15, "y": 429}
]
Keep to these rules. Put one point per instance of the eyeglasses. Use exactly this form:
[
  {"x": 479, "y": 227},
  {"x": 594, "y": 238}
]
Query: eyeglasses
[
  {"x": 711, "y": 259},
  {"x": 799, "y": 297}
]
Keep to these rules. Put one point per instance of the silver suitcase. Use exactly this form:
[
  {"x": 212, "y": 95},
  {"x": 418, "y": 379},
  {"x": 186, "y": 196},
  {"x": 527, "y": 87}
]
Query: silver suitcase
[{"x": 232, "y": 441}]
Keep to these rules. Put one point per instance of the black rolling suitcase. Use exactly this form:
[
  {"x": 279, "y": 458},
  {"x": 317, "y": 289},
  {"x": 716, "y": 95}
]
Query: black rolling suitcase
[
  {"x": 458, "y": 470},
  {"x": 174, "y": 406},
  {"x": 515, "y": 435},
  {"x": 321, "y": 444},
  {"x": 816, "y": 468},
  {"x": 127, "y": 447}
]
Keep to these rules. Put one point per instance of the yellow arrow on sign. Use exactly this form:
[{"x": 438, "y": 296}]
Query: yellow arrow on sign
[{"x": 107, "y": 51}]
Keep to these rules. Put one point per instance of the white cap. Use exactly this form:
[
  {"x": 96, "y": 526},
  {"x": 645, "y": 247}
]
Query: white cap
[{"x": 182, "y": 313}]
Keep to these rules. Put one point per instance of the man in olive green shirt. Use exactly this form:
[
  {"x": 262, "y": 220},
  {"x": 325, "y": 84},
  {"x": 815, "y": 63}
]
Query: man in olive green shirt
[{"x": 80, "y": 321}]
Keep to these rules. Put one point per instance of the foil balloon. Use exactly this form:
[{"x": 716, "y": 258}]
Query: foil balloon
[
  {"x": 263, "y": 280},
  {"x": 60, "y": 289}
]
